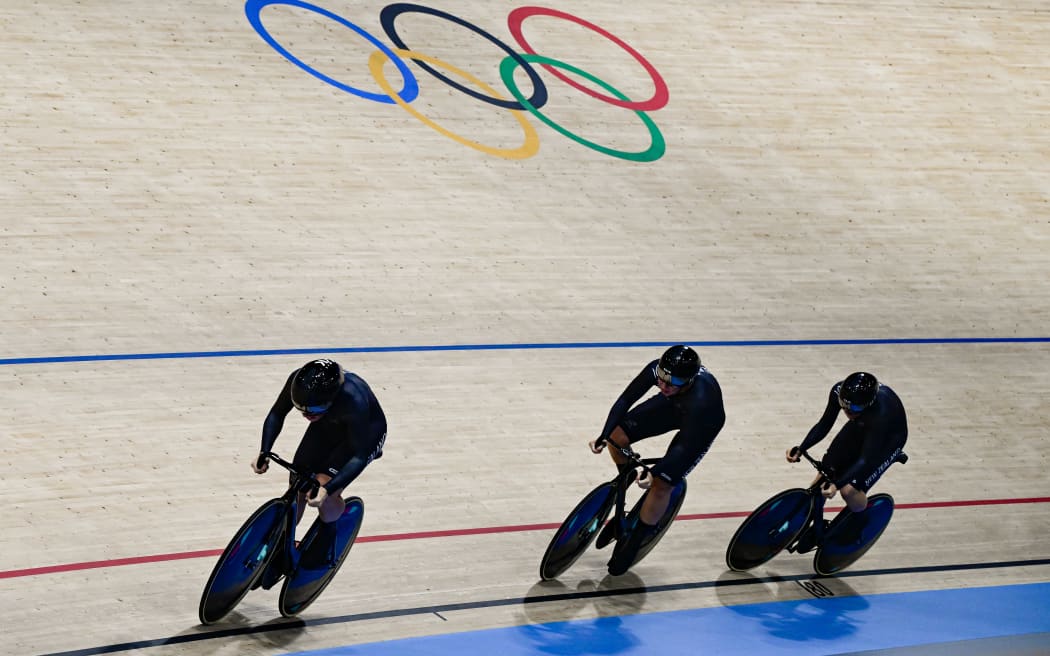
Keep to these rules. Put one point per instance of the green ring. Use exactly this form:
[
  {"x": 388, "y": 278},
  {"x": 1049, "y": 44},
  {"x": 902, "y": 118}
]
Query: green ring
[{"x": 653, "y": 153}]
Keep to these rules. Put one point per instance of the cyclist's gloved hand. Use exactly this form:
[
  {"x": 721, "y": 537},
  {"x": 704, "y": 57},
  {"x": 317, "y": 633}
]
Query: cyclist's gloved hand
[
  {"x": 794, "y": 454},
  {"x": 260, "y": 464},
  {"x": 597, "y": 445}
]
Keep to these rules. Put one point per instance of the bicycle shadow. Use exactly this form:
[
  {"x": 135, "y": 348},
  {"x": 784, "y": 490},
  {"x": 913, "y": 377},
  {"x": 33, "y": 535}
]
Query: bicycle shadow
[
  {"x": 551, "y": 609},
  {"x": 817, "y": 609},
  {"x": 279, "y": 632}
]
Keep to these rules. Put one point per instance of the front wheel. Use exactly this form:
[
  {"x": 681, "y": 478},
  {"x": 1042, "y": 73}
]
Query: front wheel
[
  {"x": 243, "y": 561},
  {"x": 577, "y": 531},
  {"x": 850, "y": 535},
  {"x": 771, "y": 527}
]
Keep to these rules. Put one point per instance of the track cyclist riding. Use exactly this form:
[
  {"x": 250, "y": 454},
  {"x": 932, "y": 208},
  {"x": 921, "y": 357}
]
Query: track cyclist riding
[
  {"x": 875, "y": 432},
  {"x": 689, "y": 400}
]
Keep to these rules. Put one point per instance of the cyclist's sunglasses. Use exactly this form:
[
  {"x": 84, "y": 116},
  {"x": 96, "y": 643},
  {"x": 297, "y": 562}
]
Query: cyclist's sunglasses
[
  {"x": 315, "y": 410},
  {"x": 851, "y": 407},
  {"x": 668, "y": 379}
]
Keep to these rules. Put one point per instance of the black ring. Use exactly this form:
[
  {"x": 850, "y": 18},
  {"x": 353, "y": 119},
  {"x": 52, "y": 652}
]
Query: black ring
[{"x": 391, "y": 12}]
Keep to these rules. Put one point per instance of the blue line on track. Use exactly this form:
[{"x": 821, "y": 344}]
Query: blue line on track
[
  {"x": 247, "y": 353},
  {"x": 807, "y": 627}
]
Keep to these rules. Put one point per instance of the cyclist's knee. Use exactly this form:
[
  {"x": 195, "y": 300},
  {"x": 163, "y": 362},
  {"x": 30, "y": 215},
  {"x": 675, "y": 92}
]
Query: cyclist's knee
[
  {"x": 854, "y": 498},
  {"x": 660, "y": 487},
  {"x": 620, "y": 437},
  {"x": 332, "y": 507}
]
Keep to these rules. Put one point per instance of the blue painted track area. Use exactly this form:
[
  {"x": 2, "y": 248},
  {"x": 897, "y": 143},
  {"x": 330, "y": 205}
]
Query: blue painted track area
[{"x": 810, "y": 627}]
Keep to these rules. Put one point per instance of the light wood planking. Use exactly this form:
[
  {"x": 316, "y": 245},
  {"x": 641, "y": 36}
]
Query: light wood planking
[{"x": 171, "y": 184}]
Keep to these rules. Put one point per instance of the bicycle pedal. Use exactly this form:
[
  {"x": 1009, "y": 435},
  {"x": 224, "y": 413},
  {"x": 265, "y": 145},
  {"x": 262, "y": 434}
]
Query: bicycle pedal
[
  {"x": 806, "y": 542},
  {"x": 848, "y": 535},
  {"x": 622, "y": 559},
  {"x": 626, "y": 552},
  {"x": 319, "y": 556},
  {"x": 270, "y": 584},
  {"x": 607, "y": 535},
  {"x": 269, "y": 579},
  {"x": 618, "y": 567}
]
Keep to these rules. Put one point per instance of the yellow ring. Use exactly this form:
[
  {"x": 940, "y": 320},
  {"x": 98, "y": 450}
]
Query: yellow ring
[{"x": 532, "y": 138}]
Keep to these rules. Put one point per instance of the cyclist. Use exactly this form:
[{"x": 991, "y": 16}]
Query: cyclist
[
  {"x": 346, "y": 432},
  {"x": 873, "y": 437},
  {"x": 690, "y": 401}
]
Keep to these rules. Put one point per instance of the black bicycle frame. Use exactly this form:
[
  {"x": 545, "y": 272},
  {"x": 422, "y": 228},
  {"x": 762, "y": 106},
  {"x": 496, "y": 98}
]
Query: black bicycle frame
[
  {"x": 816, "y": 517},
  {"x": 619, "y": 515},
  {"x": 301, "y": 482},
  {"x": 817, "y": 491}
]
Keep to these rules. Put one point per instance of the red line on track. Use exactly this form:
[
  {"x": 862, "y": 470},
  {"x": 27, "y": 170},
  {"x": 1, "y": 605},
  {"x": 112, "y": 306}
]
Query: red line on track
[{"x": 419, "y": 535}]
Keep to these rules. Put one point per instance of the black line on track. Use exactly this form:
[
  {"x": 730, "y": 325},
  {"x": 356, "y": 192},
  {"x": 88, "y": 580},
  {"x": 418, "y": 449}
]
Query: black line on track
[{"x": 299, "y": 624}]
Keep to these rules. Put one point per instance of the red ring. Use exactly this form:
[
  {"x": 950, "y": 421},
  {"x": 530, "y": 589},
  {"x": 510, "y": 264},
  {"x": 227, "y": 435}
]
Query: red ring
[{"x": 660, "y": 97}]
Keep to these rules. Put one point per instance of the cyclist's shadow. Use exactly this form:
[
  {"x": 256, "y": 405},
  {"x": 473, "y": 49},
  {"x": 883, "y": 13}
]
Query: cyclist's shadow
[
  {"x": 552, "y": 630},
  {"x": 790, "y": 611},
  {"x": 280, "y": 632}
]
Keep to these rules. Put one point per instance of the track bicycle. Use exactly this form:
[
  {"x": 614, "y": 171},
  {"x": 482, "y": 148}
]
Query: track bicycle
[
  {"x": 264, "y": 551},
  {"x": 589, "y": 516},
  {"x": 794, "y": 520}
]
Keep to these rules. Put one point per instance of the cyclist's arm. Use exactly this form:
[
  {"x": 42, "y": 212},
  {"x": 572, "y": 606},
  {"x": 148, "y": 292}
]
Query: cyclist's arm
[
  {"x": 821, "y": 429},
  {"x": 347, "y": 473},
  {"x": 275, "y": 419},
  {"x": 635, "y": 390}
]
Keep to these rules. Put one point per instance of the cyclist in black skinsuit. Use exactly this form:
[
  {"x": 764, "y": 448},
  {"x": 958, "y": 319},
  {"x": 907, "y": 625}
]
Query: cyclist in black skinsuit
[
  {"x": 347, "y": 430},
  {"x": 689, "y": 400},
  {"x": 871, "y": 440}
]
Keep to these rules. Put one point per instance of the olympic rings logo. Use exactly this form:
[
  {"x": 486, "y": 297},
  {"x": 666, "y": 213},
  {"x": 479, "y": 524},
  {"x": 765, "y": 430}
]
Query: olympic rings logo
[{"x": 518, "y": 105}]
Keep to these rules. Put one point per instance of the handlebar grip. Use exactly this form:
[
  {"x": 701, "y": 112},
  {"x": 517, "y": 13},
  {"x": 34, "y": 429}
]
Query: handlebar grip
[{"x": 902, "y": 458}]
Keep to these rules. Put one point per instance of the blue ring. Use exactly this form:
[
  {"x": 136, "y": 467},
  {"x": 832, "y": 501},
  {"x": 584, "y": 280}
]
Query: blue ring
[
  {"x": 252, "y": 9},
  {"x": 539, "y": 89}
]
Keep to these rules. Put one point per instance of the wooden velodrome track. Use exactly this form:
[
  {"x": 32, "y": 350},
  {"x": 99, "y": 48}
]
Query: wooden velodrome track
[{"x": 187, "y": 216}]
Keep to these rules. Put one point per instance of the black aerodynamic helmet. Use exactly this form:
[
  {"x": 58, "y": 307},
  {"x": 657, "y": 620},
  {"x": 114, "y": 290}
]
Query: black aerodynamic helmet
[
  {"x": 858, "y": 391},
  {"x": 678, "y": 365},
  {"x": 315, "y": 386}
]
